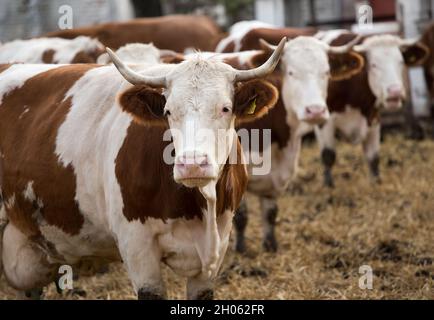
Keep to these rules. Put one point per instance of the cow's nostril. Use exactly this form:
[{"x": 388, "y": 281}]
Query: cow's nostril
[
  {"x": 202, "y": 160},
  {"x": 315, "y": 110}
]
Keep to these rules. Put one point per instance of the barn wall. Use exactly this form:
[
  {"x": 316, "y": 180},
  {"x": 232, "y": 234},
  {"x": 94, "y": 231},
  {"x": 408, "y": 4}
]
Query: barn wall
[{"x": 26, "y": 19}]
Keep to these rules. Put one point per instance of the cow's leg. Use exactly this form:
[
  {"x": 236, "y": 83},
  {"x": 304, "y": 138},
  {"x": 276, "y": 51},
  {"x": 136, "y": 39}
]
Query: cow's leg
[
  {"x": 142, "y": 259},
  {"x": 200, "y": 288},
  {"x": 326, "y": 140},
  {"x": 371, "y": 148},
  {"x": 240, "y": 222},
  {"x": 269, "y": 214},
  {"x": 25, "y": 265}
]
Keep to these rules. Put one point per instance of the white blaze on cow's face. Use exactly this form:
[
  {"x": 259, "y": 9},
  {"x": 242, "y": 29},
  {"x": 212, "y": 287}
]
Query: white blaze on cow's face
[
  {"x": 199, "y": 110},
  {"x": 306, "y": 74},
  {"x": 386, "y": 68}
]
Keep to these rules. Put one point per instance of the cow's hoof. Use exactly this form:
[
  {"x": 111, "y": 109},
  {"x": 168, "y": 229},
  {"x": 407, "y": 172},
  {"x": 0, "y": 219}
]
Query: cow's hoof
[
  {"x": 240, "y": 246},
  {"x": 270, "y": 244},
  {"x": 35, "y": 294},
  {"x": 328, "y": 182},
  {"x": 148, "y": 294},
  {"x": 207, "y": 294}
]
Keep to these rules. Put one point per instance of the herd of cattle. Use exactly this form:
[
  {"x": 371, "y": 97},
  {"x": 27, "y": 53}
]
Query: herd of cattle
[{"x": 83, "y": 175}]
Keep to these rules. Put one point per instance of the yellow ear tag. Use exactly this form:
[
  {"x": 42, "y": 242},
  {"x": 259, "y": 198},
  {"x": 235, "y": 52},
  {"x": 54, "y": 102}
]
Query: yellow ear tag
[{"x": 252, "y": 108}]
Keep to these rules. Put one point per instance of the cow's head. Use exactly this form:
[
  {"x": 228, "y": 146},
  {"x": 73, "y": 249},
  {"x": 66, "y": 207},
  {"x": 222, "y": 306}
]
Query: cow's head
[
  {"x": 386, "y": 58},
  {"x": 199, "y": 99},
  {"x": 307, "y": 65}
]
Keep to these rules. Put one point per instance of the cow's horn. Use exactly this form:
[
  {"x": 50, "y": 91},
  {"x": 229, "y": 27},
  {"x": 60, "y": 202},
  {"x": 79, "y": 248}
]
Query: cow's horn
[
  {"x": 264, "y": 70},
  {"x": 134, "y": 77},
  {"x": 345, "y": 48}
]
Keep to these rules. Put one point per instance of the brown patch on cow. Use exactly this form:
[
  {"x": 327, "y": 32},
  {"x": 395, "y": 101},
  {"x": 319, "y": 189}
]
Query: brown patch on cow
[
  {"x": 345, "y": 38},
  {"x": 232, "y": 184},
  {"x": 354, "y": 92},
  {"x": 149, "y": 190},
  {"x": 4, "y": 67},
  {"x": 173, "y": 59},
  {"x": 198, "y": 32},
  {"x": 48, "y": 56},
  {"x": 275, "y": 120},
  {"x": 344, "y": 66},
  {"x": 145, "y": 105},
  {"x": 273, "y": 36},
  {"x": 428, "y": 67},
  {"x": 28, "y": 145},
  {"x": 230, "y": 47},
  {"x": 254, "y": 99},
  {"x": 235, "y": 63},
  {"x": 87, "y": 57}
]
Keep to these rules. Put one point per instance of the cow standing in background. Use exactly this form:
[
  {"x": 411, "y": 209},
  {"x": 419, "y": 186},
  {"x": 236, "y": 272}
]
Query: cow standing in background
[
  {"x": 177, "y": 32},
  {"x": 307, "y": 66},
  {"x": 85, "y": 173},
  {"x": 51, "y": 50},
  {"x": 141, "y": 53},
  {"x": 355, "y": 103},
  {"x": 246, "y": 35},
  {"x": 428, "y": 40}
]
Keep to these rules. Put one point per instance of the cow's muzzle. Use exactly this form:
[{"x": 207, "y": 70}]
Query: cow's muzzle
[
  {"x": 193, "y": 170},
  {"x": 316, "y": 114}
]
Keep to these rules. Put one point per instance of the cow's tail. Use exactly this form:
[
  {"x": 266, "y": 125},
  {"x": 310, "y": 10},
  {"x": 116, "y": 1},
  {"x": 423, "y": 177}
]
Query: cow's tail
[{"x": 3, "y": 223}]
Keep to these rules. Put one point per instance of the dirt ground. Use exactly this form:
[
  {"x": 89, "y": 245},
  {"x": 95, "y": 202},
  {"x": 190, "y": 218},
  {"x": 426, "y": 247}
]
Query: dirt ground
[{"x": 325, "y": 236}]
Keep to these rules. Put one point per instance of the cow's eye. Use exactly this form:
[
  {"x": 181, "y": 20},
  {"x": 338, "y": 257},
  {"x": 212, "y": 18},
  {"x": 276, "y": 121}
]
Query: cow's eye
[
  {"x": 290, "y": 73},
  {"x": 327, "y": 73},
  {"x": 226, "y": 110},
  {"x": 373, "y": 65},
  {"x": 167, "y": 113}
]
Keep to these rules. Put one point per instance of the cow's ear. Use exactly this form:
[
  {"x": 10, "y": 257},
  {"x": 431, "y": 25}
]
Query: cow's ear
[
  {"x": 415, "y": 54},
  {"x": 345, "y": 65},
  {"x": 144, "y": 104},
  {"x": 253, "y": 99}
]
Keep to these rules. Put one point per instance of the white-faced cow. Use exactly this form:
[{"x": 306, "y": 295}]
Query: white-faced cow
[
  {"x": 87, "y": 172},
  {"x": 355, "y": 103},
  {"x": 307, "y": 66},
  {"x": 51, "y": 50},
  {"x": 174, "y": 32}
]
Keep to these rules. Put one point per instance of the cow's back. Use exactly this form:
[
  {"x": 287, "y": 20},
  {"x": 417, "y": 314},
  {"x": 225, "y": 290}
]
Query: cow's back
[
  {"x": 176, "y": 32},
  {"x": 34, "y": 183},
  {"x": 250, "y": 40}
]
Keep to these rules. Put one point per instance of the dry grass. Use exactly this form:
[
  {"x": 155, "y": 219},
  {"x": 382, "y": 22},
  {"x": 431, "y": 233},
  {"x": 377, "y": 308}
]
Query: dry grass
[{"x": 325, "y": 236}]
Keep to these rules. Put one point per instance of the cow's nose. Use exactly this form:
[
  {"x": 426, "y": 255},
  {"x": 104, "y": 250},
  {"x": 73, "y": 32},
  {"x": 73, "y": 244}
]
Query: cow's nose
[
  {"x": 192, "y": 159},
  {"x": 394, "y": 91},
  {"x": 316, "y": 110}
]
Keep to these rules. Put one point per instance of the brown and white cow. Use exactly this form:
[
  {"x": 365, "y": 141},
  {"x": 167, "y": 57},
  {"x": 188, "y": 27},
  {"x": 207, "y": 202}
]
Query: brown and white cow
[
  {"x": 89, "y": 172},
  {"x": 246, "y": 35},
  {"x": 51, "y": 50},
  {"x": 174, "y": 32},
  {"x": 307, "y": 66},
  {"x": 428, "y": 40},
  {"x": 355, "y": 103}
]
